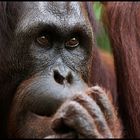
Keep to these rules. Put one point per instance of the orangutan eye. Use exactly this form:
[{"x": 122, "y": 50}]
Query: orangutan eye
[
  {"x": 43, "y": 40},
  {"x": 73, "y": 42}
]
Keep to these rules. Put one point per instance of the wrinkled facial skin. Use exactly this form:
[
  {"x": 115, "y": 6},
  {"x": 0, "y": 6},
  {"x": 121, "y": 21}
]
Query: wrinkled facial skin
[{"x": 54, "y": 72}]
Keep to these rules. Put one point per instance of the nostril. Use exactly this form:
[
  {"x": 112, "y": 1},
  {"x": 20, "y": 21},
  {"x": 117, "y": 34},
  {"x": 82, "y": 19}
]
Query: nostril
[
  {"x": 69, "y": 78},
  {"x": 58, "y": 77}
]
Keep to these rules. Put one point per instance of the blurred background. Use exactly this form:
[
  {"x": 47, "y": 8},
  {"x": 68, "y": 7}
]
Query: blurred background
[{"x": 102, "y": 36}]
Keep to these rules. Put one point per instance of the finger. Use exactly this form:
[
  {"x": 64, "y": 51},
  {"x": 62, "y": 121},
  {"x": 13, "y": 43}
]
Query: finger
[
  {"x": 73, "y": 115},
  {"x": 94, "y": 110},
  {"x": 62, "y": 136},
  {"x": 103, "y": 99}
]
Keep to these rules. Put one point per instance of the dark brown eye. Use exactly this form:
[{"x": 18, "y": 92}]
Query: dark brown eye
[
  {"x": 73, "y": 42},
  {"x": 43, "y": 40}
]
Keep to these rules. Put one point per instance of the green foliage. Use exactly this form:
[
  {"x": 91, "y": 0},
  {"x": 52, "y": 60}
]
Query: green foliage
[
  {"x": 97, "y": 10},
  {"x": 102, "y": 38}
]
